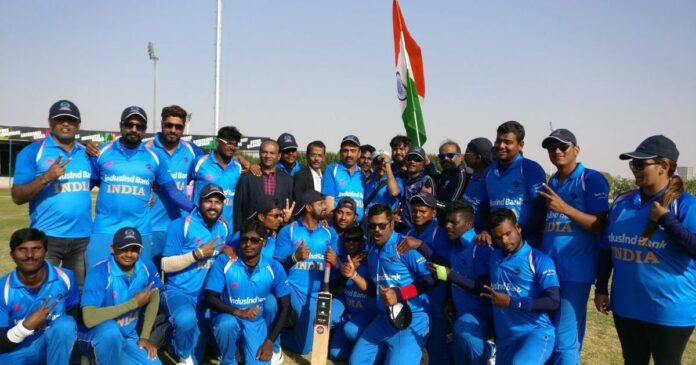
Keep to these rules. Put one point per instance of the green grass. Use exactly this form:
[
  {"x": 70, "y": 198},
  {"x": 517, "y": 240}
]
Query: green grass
[{"x": 601, "y": 344}]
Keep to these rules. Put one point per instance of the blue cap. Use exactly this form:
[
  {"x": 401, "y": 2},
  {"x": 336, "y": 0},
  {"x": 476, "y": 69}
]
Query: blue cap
[
  {"x": 287, "y": 141},
  {"x": 417, "y": 151},
  {"x": 133, "y": 110},
  {"x": 560, "y": 135},
  {"x": 652, "y": 147}
]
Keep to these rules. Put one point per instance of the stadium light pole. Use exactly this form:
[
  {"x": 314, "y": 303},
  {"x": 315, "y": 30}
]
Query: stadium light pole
[
  {"x": 218, "y": 34},
  {"x": 155, "y": 60}
]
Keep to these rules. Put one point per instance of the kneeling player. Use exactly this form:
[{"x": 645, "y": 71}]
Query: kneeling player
[
  {"x": 235, "y": 291},
  {"x": 115, "y": 291},
  {"x": 38, "y": 307}
]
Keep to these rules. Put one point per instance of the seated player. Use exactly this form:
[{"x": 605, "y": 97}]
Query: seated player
[{"x": 38, "y": 306}]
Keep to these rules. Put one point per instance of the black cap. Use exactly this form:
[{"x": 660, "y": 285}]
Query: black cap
[
  {"x": 400, "y": 315},
  {"x": 417, "y": 151},
  {"x": 654, "y": 146},
  {"x": 350, "y": 139},
  {"x": 427, "y": 199},
  {"x": 346, "y": 202},
  {"x": 482, "y": 147},
  {"x": 266, "y": 203},
  {"x": 561, "y": 135},
  {"x": 133, "y": 110},
  {"x": 286, "y": 141},
  {"x": 210, "y": 190},
  {"x": 127, "y": 236},
  {"x": 64, "y": 108},
  {"x": 308, "y": 197}
]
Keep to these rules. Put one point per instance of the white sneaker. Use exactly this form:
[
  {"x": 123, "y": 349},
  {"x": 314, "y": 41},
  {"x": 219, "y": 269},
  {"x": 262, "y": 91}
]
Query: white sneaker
[
  {"x": 491, "y": 360},
  {"x": 186, "y": 361},
  {"x": 277, "y": 358}
]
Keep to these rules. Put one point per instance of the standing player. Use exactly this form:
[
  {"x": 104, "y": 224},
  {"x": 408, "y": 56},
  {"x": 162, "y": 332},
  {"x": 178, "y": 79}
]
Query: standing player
[
  {"x": 53, "y": 175},
  {"x": 367, "y": 152},
  {"x": 524, "y": 289},
  {"x": 115, "y": 291},
  {"x": 399, "y": 147},
  {"x": 235, "y": 291},
  {"x": 127, "y": 170},
  {"x": 383, "y": 187},
  {"x": 577, "y": 201},
  {"x": 452, "y": 180},
  {"x": 345, "y": 177},
  {"x": 38, "y": 307},
  {"x": 303, "y": 247},
  {"x": 399, "y": 281},
  {"x": 417, "y": 182},
  {"x": 288, "y": 154},
  {"x": 478, "y": 157},
  {"x": 513, "y": 182},
  {"x": 193, "y": 242}
]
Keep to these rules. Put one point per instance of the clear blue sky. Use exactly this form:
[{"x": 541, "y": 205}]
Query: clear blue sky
[{"x": 614, "y": 72}]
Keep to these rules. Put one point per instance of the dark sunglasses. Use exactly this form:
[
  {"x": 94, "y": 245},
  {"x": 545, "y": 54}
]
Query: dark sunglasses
[
  {"x": 414, "y": 158},
  {"x": 640, "y": 165},
  {"x": 561, "y": 146},
  {"x": 374, "y": 226},
  {"x": 254, "y": 240},
  {"x": 447, "y": 156},
  {"x": 178, "y": 127},
  {"x": 130, "y": 125}
]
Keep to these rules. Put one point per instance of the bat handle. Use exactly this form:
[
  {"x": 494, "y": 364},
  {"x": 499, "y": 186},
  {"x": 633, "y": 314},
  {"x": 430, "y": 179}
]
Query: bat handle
[{"x": 327, "y": 276}]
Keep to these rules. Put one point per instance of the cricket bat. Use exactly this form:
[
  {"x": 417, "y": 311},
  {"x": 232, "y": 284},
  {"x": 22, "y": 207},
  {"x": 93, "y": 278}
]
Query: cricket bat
[{"x": 322, "y": 320}]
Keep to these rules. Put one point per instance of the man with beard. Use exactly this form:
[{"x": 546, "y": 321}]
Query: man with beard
[
  {"x": 127, "y": 171},
  {"x": 399, "y": 147},
  {"x": 53, "y": 175},
  {"x": 235, "y": 291},
  {"x": 193, "y": 242},
  {"x": 310, "y": 176},
  {"x": 39, "y": 306},
  {"x": 345, "y": 177},
  {"x": 383, "y": 187},
  {"x": 452, "y": 180},
  {"x": 115, "y": 292},
  {"x": 272, "y": 182},
  {"x": 365, "y": 160},
  {"x": 417, "y": 182},
  {"x": 304, "y": 247},
  {"x": 288, "y": 154},
  {"x": 478, "y": 157}
]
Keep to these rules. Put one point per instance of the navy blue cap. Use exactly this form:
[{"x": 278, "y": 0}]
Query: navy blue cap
[
  {"x": 64, "y": 108},
  {"x": 483, "y": 147},
  {"x": 427, "y": 199},
  {"x": 286, "y": 141},
  {"x": 417, "y": 151},
  {"x": 308, "y": 197},
  {"x": 559, "y": 135},
  {"x": 652, "y": 147},
  {"x": 127, "y": 236},
  {"x": 346, "y": 202},
  {"x": 350, "y": 139},
  {"x": 266, "y": 203},
  {"x": 133, "y": 110},
  {"x": 210, "y": 190}
]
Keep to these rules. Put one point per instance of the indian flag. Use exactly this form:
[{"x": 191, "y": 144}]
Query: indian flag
[{"x": 409, "y": 77}]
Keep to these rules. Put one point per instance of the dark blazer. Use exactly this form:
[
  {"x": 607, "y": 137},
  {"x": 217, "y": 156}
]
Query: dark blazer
[
  {"x": 250, "y": 188},
  {"x": 303, "y": 181}
]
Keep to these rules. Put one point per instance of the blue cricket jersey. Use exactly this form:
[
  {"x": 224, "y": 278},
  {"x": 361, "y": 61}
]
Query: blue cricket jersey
[
  {"x": 205, "y": 170},
  {"x": 268, "y": 246},
  {"x": 434, "y": 236},
  {"x": 389, "y": 269},
  {"x": 382, "y": 196},
  {"x": 524, "y": 273},
  {"x": 412, "y": 187},
  {"x": 18, "y": 301},
  {"x": 126, "y": 183},
  {"x": 573, "y": 249},
  {"x": 306, "y": 276},
  {"x": 653, "y": 282},
  {"x": 355, "y": 300},
  {"x": 63, "y": 208},
  {"x": 185, "y": 235},
  {"x": 337, "y": 181},
  {"x": 295, "y": 168},
  {"x": 243, "y": 287},
  {"x": 107, "y": 285},
  {"x": 470, "y": 261},
  {"x": 163, "y": 212},
  {"x": 472, "y": 195}
]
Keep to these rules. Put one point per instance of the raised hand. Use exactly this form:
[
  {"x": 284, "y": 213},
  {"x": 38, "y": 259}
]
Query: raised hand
[
  {"x": 501, "y": 300},
  {"x": 483, "y": 238},
  {"x": 37, "y": 319},
  {"x": 143, "y": 297},
  {"x": 657, "y": 211},
  {"x": 302, "y": 252},
  {"x": 330, "y": 257},
  {"x": 348, "y": 269},
  {"x": 210, "y": 248},
  {"x": 56, "y": 170},
  {"x": 388, "y": 296},
  {"x": 553, "y": 201},
  {"x": 408, "y": 243},
  {"x": 287, "y": 211}
]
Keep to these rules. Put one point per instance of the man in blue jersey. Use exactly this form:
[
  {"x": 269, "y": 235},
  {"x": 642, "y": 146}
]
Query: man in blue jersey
[
  {"x": 53, "y": 175},
  {"x": 524, "y": 289},
  {"x": 417, "y": 182},
  {"x": 127, "y": 170},
  {"x": 304, "y": 247},
  {"x": 401, "y": 324},
  {"x": 367, "y": 152},
  {"x": 115, "y": 293},
  {"x": 383, "y": 187},
  {"x": 478, "y": 157},
  {"x": 345, "y": 178},
  {"x": 39, "y": 306},
  {"x": 179, "y": 155},
  {"x": 513, "y": 182},
  {"x": 577, "y": 201},
  {"x": 344, "y": 216},
  {"x": 288, "y": 154},
  {"x": 193, "y": 242},
  {"x": 235, "y": 292}
]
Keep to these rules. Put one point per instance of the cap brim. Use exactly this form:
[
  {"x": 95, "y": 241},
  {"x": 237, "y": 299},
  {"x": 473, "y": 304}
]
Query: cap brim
[
  {"x": 213, "y": 193},
  {"x": 289, "y": 147},
  {"x": 417, "y": 197},
  {"x": 549, "y": 139},
  {"x": 129, "y": 245},
  {"x": 65, "y": 115},
  {"x": 132, "y": 114},
  {"x": 350, "y": 141},
  {"x": 637, "y": 155}
]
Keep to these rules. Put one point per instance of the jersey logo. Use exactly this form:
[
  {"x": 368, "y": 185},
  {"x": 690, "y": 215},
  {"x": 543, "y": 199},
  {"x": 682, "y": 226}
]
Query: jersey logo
[
  {"x": 341, "y": 182},
  {"x": 114, "y": 294},
  {"x": 208, "y": 177},
  {"x": 516, "y": 184},
  {"x": 17, "y": 307},
  {"x": 108, "y": 164},
  {"x": 234, "y": 285},
  {"x": 148, "y": 166},
  {"x": 129, "y": 233},
  {"x": 573, "y": 196},
  {"x": 186, "y": 159}
]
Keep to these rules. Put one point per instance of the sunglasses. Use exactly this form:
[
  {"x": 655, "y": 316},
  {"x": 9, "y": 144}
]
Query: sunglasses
[
  {"x": 561, "y": 146},
  {"x": 414, "y": 158},
  {"x": 130, "y": 125},
  {"x": 640, "y": 165},
  {"x": 178, "y": 127},
  {"x": 374, "y": 226},
  {"x": 447, "y": 156},
  {"x": 228, "y": 143},
  {"x": 276, "y": 216},
  {"x": 254, "y": 240}
]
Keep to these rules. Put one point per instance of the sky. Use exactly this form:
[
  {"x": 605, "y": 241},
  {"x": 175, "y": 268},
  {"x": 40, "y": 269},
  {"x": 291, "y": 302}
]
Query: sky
[{"x": 613, "y": 72}]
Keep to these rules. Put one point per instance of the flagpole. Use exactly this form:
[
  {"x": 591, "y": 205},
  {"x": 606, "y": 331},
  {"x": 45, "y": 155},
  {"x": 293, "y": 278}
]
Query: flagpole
[{"x": 218, "y": 34}]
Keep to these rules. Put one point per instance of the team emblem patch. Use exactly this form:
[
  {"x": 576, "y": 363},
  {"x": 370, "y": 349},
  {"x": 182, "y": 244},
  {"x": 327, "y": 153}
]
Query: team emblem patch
[
  {"x": 65, "y": 106},
  {"x": 341, "y": 182},
  {"x": 129, "y": 233},
  {"x": 234, "y": 285}
]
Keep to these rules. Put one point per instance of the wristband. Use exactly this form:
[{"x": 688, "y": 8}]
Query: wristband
[
  {"x": 18, "y": 333},
  {"x": 294, "y": 259},
  {"x": 441, "y": 272},
  {"x": 408, "y": 292}
]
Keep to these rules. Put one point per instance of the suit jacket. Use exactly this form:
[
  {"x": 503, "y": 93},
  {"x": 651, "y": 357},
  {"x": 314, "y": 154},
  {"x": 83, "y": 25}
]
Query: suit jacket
[
  {"x": 303, "y": 181},
  {"x": 250, "y": 188}
]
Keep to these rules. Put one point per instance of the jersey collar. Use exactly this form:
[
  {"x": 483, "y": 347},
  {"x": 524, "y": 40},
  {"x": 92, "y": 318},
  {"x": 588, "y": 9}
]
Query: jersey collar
[
  {"x": 577, "y": 172},
  {"x": 522, "y": 251},
  {"x": 514, "y": 164},
  {"x": 115, "y": 270},
  {"x": 51, "y": 275},
  {"x": 50, "y": 142},
  {"x": 120, "y": 147}
]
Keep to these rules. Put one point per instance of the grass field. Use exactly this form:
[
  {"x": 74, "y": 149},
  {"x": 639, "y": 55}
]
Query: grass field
[{"x": 601, "y": 344}]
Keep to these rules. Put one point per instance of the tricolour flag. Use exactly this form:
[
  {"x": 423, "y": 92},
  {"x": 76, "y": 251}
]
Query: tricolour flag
[{"x": 409, "y": 77}]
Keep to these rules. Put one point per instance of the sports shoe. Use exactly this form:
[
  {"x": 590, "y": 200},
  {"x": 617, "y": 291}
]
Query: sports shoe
[
  {"x": 491, "y": 360},
  {"x": 277, "y": 358},
  {"x": 186, "y": 361}
]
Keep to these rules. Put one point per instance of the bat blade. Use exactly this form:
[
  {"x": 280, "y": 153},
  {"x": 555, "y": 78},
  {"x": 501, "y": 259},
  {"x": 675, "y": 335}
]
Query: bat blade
[{"x": 322, "y": 321}]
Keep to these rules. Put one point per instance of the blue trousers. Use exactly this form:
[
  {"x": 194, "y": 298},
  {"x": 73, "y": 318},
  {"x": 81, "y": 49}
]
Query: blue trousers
[
  {"x": 469, "y": 334},
  {"x": 190, "y": 327},
  {"x": 99, "y": 243},
  {"x": 569, "y": 321},
  {"x": 270, "y": 309},
  {"x": 533, "y": 348},
  {"x": 159, "y": 238},
  {"x": 110, "y": 347},
  {"x": 437, "y": 340},
  {"x": 400, "y": 347},
  {"x": 52, "y": 347},
  {"x": 304, "y": 305},
  {"x": 229, "y": 330},
  {"x": 347, "y": 332}
]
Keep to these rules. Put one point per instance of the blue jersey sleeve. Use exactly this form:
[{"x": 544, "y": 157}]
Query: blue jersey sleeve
[
  {"x": 596, "y": 193},
  {"x": 154, "y": 276},
  {"x": 73, "y": 298},
  {"x": 94, "y": 287},
  {"x": 197, "y": 151},
  {"x": 192, "y": 170},
  {"x": 162, "y": 175},
  {"x": 284, "y": 246},
  {"x": 328, "y": 184},
  {"x": 25, "y": 165},
  {"x": 4, "y": 314},
  {"x": 482, "y": 260},
  {"x": 544, "y": 271},
  {"x": 233, "y": 240},
  {"x": 534, "y": 178},
  {"x": 280, "y": 280},
  {"x": 415, "y": 262},
  {"x": 216, "y": 276},
  {"x": 174, "y": 245}
]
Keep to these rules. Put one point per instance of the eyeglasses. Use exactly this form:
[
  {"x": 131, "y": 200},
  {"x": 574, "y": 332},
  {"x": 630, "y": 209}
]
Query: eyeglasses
[
  {"x": 447, "y": 156},
  {"x": 374, "y": 226},
  {"x": 130, "y": 125},
  {"x": 276, "y": 216},
  {"x": 640, "y": 165},
  {"x": 178, "y": 127},
  {"x": 227, "y": 143},
  {"x": 413, "y": 158},
  {"x": 561, "y": 146},
  {"x": 254, "y": 240}
]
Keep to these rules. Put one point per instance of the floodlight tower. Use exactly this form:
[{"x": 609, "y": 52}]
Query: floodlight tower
[{"x": 155, "y": 60}]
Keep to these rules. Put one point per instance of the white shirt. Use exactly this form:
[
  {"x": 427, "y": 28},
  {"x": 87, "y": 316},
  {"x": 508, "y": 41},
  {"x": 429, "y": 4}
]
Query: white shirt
[{"x": 317, "y": 179}]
